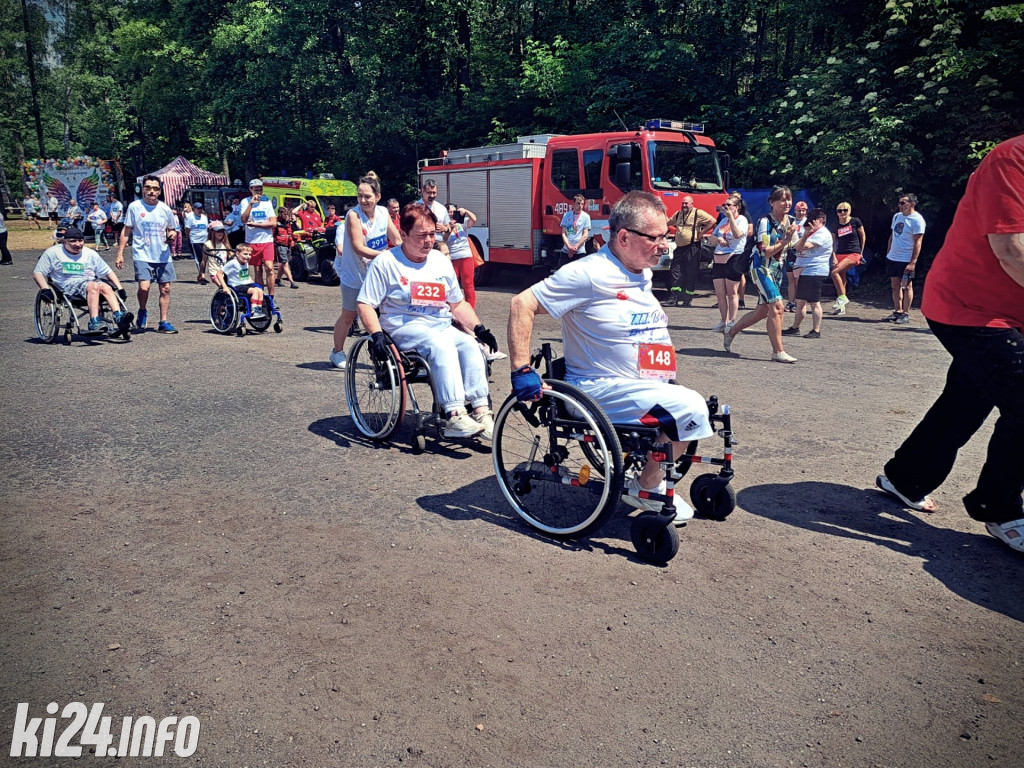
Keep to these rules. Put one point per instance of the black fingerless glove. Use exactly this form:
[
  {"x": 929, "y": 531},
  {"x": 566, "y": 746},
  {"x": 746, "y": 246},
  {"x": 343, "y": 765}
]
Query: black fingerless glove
[
  {"x": 484, "y": 336},
  {"x": 380, "y": 345}
]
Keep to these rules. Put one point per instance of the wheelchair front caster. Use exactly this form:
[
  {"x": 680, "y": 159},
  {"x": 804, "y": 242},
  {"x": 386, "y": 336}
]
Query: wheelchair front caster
[
  {"x": 713, "y": 496},
  {"x": 419, "y": 443},
  {"x": 654, "y": 537},
  {"x": 67, "y": 338},
  {"x": 278, "y": 327},
  {"x": 241, "y": 330}
]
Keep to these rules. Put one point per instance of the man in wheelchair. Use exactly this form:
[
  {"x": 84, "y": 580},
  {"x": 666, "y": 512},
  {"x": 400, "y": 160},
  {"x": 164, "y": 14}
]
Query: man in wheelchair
[
  {"x": 79, "y": 273},
  {"x": 236, "y": 276},
  {"x": 616, "y": 342},
  {"x": 419, "y": 297}
]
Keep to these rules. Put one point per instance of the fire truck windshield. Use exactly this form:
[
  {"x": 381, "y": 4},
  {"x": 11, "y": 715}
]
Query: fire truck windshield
[{"x": 678, "y": 166}]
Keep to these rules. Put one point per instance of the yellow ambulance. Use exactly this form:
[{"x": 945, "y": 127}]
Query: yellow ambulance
[{"x": 290, "y": 192}]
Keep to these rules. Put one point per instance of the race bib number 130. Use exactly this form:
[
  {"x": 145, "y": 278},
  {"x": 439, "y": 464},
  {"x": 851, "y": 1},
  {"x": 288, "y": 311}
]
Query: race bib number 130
[
  {"x": 657, "y": 361},
  {"x": 427, "y": 294}
]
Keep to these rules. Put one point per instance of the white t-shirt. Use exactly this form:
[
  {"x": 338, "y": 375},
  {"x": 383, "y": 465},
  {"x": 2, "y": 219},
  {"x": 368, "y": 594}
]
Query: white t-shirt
[
  {"x": 611, "y": 322},
  {"x": 458, "y": 242},
  {"x": 817, "y": 259},
  {"x": 96, "y": 218},
  {"x": 237, "y": 273},
  {"x": 197, "y": 227},
  {"x": 575, "y": 225},
  {"x": 61, "y": 267},
  {"x": 233, "y": 219},
  {"x": 733, "y": 244},
  {"x": 407, "y": 292},
  {"x": 116, "y": 209},
  {"x": 350, "y": 266},
  {"x": 903, "y": 230},
  {"x": 440, "y": 212},
  {"x": 149, "y": 230},
  {"x": 260, "y": 213}
]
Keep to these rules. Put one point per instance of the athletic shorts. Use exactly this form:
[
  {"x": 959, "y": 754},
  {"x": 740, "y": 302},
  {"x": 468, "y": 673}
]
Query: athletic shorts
[
  {"x": 808, "y": 288},
  {"x": 243, "y": 290},
  {"x": 154, "y": 272},
  {"x": 262, "y": 252},
  {"x": 76, "y": 289},
  {"x": 348, "y": 298},
  {"x": 680, "y": 412},
  {"x": 896, "y": 268},
  {"x": 791, "y": 256},
  {"x": 284, "y": 253},
  {"x": 855, "y": 258},
  {"x": 720, "y": 271},
  {"x": 767, "y": 290}
]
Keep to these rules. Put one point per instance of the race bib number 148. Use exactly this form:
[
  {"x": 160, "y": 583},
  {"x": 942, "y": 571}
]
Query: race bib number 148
[{"x": 657, "y": 361}]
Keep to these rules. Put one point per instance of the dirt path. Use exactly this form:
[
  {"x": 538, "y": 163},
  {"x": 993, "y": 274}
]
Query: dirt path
[{"x": 193, "y": 527}]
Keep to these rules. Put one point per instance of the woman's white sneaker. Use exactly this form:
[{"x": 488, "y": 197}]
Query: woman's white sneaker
[{"x": 462, "y": 425}]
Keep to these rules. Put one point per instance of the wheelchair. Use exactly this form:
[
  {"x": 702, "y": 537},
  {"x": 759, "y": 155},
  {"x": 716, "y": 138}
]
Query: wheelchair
[
  {"x": 378, "y": 392},
  {"x": 51, "y": 309},
  {"x": 230, "y": 312},
  {"x": 561, "y": 464}
]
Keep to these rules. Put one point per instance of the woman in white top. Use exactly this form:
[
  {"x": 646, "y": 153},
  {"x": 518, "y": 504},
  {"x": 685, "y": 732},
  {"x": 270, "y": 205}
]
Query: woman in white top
[
  {"x": 364, "y": 236},
  {"x": 729, "y": 237},
  {"x": 813, "y": 263}
]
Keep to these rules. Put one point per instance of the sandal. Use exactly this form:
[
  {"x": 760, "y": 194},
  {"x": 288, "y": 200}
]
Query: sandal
[
  {"x": 1011, "y": 533},
  {"x": 924, "y": 505}
]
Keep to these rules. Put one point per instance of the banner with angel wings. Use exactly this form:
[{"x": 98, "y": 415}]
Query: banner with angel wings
[{"x": 82, "y": 179}]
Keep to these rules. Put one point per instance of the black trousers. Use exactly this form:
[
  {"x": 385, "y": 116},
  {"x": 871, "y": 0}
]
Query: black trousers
[
  {"x": 987, "y": 372},
  {"x": 685, "y": 266}
]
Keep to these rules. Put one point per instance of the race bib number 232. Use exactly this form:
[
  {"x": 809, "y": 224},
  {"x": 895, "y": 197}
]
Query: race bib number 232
[{"x": 427, "y": 294}]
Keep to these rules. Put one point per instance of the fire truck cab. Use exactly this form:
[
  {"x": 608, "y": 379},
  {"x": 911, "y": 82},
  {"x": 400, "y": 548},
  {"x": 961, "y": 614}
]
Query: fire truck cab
[{"x": 519, "y": 192}]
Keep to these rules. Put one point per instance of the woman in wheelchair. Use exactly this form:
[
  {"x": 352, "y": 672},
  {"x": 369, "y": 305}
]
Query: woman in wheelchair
[
  {"x": 237, "y": 277},
  {"x": 79, "y": 273},
  {"x": 419, "y": 298}
]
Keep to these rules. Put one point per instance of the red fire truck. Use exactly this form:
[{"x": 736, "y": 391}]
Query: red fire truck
[{"x": 520, "y": 191}]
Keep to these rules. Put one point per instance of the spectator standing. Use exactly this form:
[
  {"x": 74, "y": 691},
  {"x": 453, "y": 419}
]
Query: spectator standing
[
  {"x": 800, "y": 219},
  {"x": 51, "y": 206},
  {"x": 395, "y": 212},
  {"x": 97, "y": 220},
  {"x": 259, "y": 218},
  {"x": 309, "y": 216},
  {"x": 333, "y": 219},
  {"x": 115, "y": 210},
  {"x": 848, "y": 244},
  {"x": 5, "y": 254},
  {"x": 690, "y": 223},
  {"x": 197, "y": 226},
  {"x": 576, "y": 226},
  {"x": 233, "y": 222},
  {"x": 974, "y": 304},
  {"x": 729, "y": 237},
  {"x": 31, "y": 211},
  {"x": 284, "y": 240},
  {"x": 365, "y": 235},
  {"x": 901, "y": 259},
  {"x": 152, "y": 226},
  {"x": 813, "y": 259},
  {"x": 428, "y": 196}
]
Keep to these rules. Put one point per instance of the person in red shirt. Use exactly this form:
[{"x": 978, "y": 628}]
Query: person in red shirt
[
  {"x": 332, "y": 217},
  {"x": 309, "y": 215},
  {"x": 284, "y": 239},
  {"x": 974, "y": 304},
  {"x": 395, "y": 212}
]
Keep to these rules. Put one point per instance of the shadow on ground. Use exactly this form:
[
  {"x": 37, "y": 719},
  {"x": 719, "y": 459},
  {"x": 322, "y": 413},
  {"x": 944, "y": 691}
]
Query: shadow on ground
[{"x": 972, "y": 565}]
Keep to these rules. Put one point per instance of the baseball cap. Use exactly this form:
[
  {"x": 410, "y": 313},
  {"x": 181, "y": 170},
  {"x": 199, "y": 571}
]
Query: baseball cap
[
  {"x": 216, "y": 225},
  {"x": 73, "y": 233},
  {"x": 255, "y": 183},
  {"x": 800, "y": 204},
  {"x": 197, "y": 205}
]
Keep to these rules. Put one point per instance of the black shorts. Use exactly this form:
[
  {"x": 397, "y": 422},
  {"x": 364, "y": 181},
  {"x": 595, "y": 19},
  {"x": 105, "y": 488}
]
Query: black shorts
[
  {"x": 808, "y": 288},
  {"x": 720, "y": 271},
  {"x": 790, "y": 260},
  {"x": 896, "y": 268}
]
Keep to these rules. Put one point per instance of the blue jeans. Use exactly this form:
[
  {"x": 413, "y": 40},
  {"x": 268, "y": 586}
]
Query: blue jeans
[{"x": 987, "y": 372}]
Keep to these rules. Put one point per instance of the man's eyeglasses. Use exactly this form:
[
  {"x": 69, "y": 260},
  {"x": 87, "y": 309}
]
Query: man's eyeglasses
[
  {"x": 151, "y": 188},
  {"x": 663, "y": 238}
]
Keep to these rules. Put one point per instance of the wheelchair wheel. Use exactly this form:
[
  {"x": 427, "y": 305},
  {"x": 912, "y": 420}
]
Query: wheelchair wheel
[
  {"x": 224, "y": 311},
  {"x": 375, "y": 391},
  {"x": 713, "y": 497},
  {"x": 544, "y": 458},
  {"x": 47, "y": 317},
  {"x": 655, "y": 541}
]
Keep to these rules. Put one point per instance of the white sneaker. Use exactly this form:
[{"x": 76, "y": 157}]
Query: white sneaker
[
  {"x": 1011, "y": 533},
  {"x": 684, "y": 512},
  {"x": 338, "y": 359},
  {"x": 492, "y": 356},
  {"x": 727, "y": 339},
  {"x": 648, "y": 505},
  {"x": 718, "y": 326},
  {"x": 842, "y": 301},
  {"x": 782, "y": 357},
  {"x": 840, "y": 310},
  {"x": 727, "y": 327},
  {"x": 463, "y": 425},
  {"x": 487, "y": 419}
]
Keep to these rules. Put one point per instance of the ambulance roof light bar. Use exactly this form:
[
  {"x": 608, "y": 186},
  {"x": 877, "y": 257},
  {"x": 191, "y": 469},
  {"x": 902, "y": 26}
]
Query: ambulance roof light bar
[{"x": 662, "y": 124}]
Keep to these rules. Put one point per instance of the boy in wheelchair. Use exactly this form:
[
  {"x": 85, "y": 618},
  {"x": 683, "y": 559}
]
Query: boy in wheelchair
[
  {"x": 79, "y": 273},
  {"x": 237, "y": 277},
  {"x": 616, "y": 341}
]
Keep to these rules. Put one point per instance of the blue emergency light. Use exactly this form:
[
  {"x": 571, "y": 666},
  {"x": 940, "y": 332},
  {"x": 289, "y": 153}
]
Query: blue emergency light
[{"x": 661, "y": 124}]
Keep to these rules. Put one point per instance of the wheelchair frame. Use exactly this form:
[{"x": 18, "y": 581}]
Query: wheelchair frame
[
  {"x": 226, "y": 317},
  {"x": 48, "y": 315},
  {"x": 561, "y": 464}
]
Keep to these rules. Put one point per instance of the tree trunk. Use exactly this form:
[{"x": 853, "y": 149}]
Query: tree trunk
[{"x": 31, "y": 59}]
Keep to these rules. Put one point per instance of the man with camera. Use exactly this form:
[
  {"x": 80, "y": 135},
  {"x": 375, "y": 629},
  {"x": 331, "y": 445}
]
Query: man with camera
[{"x": 690, "y": 224}]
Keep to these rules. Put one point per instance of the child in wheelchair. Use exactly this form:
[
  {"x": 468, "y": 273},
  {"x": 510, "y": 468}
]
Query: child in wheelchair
[
  {"x": 78, "y": 272},
  {"x": 236, "y": 276}
]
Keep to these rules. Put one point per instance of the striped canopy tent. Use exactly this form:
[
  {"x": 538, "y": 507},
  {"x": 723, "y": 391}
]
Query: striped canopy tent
[{"x": 179, "y": 174}]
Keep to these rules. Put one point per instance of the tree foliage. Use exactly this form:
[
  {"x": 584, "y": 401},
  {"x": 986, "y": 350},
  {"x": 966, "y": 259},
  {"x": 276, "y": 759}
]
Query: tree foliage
[{"x": 856, "y": 100}]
